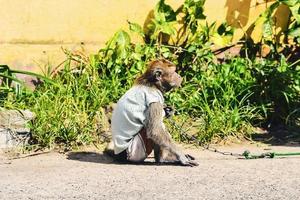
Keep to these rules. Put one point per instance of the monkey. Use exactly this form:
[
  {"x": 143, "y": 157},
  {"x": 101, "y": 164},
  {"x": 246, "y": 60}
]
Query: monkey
[{"x": 137, "y": 121}]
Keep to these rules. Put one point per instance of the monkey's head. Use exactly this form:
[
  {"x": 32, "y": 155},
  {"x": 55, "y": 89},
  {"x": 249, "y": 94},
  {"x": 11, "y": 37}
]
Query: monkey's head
[{"x": 161, "y": 74}]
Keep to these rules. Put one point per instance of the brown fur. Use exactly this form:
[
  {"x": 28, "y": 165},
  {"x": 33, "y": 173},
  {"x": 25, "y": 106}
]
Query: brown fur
[{"x": 160, "y": 74}]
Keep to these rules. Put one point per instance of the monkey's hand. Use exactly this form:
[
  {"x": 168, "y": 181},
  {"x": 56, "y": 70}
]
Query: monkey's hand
[
  {"x": 169, "y": 111},
  {"x": 190, "y": 157},
  {"x": 187, "y": 161}
]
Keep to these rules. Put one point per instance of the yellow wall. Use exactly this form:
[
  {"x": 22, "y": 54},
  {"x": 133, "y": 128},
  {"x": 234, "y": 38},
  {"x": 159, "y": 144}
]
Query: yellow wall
[{"x": 32, "y": 32}]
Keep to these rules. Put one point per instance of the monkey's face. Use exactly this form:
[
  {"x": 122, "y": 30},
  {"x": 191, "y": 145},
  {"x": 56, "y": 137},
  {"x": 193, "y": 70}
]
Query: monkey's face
[
  {"x": 161, "y": 74},
  {"x": 170, "y": 78},
  {"x": 167, "y": 78}
]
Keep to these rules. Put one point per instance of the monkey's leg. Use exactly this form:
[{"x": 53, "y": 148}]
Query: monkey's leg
[
  {"x": 165, "y": 156},
  {"x": 168, "y": 157},
  {"x": 149, "y": 145},
  {"x": 157, "y": 132}
]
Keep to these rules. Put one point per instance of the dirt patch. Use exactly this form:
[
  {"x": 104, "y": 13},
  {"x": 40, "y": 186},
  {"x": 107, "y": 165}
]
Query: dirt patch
[{"x": 92, "y": 175}]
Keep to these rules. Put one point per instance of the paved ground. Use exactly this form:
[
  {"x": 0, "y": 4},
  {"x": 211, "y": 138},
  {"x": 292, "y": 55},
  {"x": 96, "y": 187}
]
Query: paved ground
[{"x": 90, "y": 175}]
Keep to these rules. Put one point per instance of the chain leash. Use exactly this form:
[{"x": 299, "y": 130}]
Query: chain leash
[{"x": 246, "y": 154}]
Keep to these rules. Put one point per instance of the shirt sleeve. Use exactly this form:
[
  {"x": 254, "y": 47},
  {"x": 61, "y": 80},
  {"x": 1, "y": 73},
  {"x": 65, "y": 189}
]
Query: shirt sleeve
[{"x": 153, "y": 97}]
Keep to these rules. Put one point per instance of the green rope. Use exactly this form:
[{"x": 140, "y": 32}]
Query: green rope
[{"x": 248, "y": 155}]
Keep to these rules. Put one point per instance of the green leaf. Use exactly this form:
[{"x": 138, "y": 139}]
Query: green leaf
[
  {"x": 295, "y": 32},
  {"x": 164, "y": 11},
  {"x": 9, "y": 74},
  {"x": 11, "y": 78},
  {"x": 136, "y": 28},
  {"x": 168, "y": 29},
  {"x": 296, "y": 12},
  {"x": 289, "y": 3},
  {"x": 224, "y": 29},
  {"x": 191, "y": 49},
  {"x": 265, "y": 21},
  {"x": 119, "y": 42},
  {"x": 268, "y": 29},
  {"x": 224, "y": 35},
  {"x": 33, "y": 74},
  {"x": 122, "y": 38},
  {"x": 221, "y": 40},
  {"x": 194, "y": 8}
]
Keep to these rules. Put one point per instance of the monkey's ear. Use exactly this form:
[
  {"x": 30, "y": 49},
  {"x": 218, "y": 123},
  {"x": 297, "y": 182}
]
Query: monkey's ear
[{"x": 157, "y": 74}]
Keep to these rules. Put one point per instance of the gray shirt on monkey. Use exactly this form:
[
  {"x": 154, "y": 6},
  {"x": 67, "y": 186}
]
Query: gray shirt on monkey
[{"x": 129, "y": 115}]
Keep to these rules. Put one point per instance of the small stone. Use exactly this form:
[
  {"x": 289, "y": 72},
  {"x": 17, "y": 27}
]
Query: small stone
[{"x": 13, "y": 127}]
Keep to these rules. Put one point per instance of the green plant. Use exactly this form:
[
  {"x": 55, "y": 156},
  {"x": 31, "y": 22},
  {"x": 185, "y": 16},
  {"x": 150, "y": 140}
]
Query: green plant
[
  {"x": 162, "y": 23},
  {"x": 276, "y": 88},
  {"x": 219, "y": 94},
  {"x": 68, "y": 112},
  {"x": 220, "y": 100},
  {"x": 10, "y": 85},
  {"x": 270, "y": 38},
  {"x": 6, "y": 79}
]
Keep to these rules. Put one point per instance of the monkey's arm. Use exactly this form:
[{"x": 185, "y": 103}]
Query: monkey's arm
[{"x": 156, "y": 131}]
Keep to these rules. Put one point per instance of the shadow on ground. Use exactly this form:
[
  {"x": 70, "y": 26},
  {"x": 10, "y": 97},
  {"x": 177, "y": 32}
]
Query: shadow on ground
[
  {"x": 88, "y": 156},
  {"x": 93, "y": 157},
  {"x": 279, "y": 135}
]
